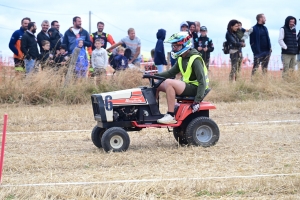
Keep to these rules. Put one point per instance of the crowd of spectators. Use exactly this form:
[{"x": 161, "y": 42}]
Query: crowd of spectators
[{"x": 52, "y": 49}]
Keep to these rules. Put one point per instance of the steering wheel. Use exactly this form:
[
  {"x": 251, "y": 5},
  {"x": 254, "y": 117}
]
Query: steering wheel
[{"x": 152, "y": 78}]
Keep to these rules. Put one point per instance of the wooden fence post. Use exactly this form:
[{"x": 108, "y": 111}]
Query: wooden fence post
[{"x": 71, "y": 66}]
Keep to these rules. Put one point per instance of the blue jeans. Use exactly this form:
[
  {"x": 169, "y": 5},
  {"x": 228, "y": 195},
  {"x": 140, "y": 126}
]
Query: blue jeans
[
  {"x": 160, "y": 68},
  {"x": 29, "y": 65}
]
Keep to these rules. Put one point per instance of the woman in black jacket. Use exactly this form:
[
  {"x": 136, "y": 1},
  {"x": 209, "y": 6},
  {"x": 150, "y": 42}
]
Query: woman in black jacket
[{"x": 235, "y": 45}]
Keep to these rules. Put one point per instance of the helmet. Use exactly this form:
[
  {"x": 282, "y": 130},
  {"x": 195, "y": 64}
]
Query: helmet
[{"x": 182, "y": 38}]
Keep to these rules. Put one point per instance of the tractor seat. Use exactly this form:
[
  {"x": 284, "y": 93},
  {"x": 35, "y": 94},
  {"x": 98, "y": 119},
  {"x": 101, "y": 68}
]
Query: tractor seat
[{"x": 191, "y": 98}]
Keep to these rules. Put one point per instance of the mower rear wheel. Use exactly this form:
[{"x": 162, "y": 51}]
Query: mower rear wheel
[
  {"x": 202, "y": 131},
  {"x": 96, "y": 136},
  {"x": 115, "y": 139},
  {"x": 179, "y": 136}
]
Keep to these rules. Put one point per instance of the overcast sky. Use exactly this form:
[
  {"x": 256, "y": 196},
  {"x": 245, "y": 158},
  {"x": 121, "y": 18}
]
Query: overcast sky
[{"x": 146, "y": 17}]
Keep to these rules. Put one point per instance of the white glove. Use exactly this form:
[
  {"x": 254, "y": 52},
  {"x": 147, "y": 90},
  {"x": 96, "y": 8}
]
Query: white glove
[{"x": 195, "y": 107}]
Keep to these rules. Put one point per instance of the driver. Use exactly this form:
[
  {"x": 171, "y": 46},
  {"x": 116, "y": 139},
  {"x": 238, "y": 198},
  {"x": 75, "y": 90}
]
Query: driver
[{"x": 194, "y": 75}]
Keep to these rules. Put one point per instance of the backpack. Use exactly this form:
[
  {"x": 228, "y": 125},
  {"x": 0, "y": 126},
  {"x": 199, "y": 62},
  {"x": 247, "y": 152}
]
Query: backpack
[{"x": 226, "y": 47}]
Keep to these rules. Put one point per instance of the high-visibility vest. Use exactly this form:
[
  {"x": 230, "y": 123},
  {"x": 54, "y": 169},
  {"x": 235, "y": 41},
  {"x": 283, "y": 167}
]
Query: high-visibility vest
[{"x": 187, "y": 74}]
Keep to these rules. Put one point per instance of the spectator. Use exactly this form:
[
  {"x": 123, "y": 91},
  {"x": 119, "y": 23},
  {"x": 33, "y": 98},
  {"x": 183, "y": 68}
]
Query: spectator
[
  {"x": 55, "y": 36},
  {"x": 159, "y": 52},
  {"x": 134, "y": 44},
  {"x": 55, "y": 24},
  {"x": 235, "y": 45},
  {"x": 196, "y": 35},
  {"x": 192, "y": 29},
  {"x": 121, "y": 61},
  {"x": 55, "y": 39},
  {"x": 240, "y": 33},
  {"x": 99, "y": 59},
  {"x": 184, "y": 26},
  {"x": 197, "y": 30},
  {"x": 15, "y": 45},
  {"x": 298, "y": 38},
  {"x": 45, "y": 58},
  {"x": 103, "y": 37},
  {"x": 288, "y": 42},
  {"x": 205, "y": 46},
  {"x": 260, "y": 44},
  {"x": 62, "y": 57},
  {"x": 43, "y": 35},
  {"x": 76, "y": 32},
  {"x": 82, "y": 60},
  {"x": 29, "y": 47}
]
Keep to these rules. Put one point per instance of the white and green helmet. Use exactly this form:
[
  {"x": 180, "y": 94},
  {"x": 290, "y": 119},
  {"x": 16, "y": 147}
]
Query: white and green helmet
[{"x": 182, "y": 38}]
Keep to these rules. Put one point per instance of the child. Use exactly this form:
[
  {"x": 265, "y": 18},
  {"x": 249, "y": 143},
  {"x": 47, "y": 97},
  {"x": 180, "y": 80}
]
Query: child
[
  {"x": 120, "y": 61},
  {"x": 82, "y": 60},
  {"x": 151, "y": 68},
  {"x": 62, "y": 57},
  {"x": 99, "y": 59},
  {"x": 159, "y": 53},
  {"x": 45, "y": 58}
]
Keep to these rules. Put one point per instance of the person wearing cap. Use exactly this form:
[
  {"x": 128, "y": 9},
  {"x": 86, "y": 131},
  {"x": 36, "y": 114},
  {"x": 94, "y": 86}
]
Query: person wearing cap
[
  {"x": 205, "y": 45},
  {"x": 184, "y": 26},
  {"x": 288, "y": 42}
]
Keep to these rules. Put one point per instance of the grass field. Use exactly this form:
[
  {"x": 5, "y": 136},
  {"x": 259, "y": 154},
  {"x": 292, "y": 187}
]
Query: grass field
[{"x": 231, "y": 169}]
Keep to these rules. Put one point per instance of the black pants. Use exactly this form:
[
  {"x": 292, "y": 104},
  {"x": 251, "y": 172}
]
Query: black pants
[
  {"x": 235, "y": 67},
  {"x": 263, "y": 60}
]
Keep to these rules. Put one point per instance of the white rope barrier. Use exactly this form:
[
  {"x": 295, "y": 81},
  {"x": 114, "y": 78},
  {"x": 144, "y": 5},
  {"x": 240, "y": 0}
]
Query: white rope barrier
[{"x": 149, "y": 180}]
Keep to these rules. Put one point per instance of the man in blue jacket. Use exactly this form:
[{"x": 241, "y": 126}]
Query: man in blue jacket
[
  {"x": 260, "y": 44},
  {"x": 74, "y": 32},
  {"x": 15, "y": 45},
  {"x": 159, "y": 53}
]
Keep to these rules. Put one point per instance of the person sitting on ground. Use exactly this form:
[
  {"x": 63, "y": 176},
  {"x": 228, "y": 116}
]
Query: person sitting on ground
[
  {"x": 99, "y": 59},
  {"x": 120, "y": 60},
  {"x": 82, "y": 63},
  {"x": 62, "y": 58},
  {"x": 45, "y": 57},
  {"x": 195, "y": 79}
]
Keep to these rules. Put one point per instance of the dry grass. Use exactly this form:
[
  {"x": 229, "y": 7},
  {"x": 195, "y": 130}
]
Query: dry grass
[
  {"x": 48, "y": 88},
  {"x": 242, "y": 150}
]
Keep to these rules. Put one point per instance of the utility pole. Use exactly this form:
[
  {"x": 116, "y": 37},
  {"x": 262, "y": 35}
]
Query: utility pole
[{"x": 90, "y": 13}]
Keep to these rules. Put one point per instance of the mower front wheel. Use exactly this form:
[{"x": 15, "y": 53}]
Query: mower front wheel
[
  {"x": 96, "y": 136},
  {"x": 202, "y": 131},
  {"x": 115, "y": 139}
]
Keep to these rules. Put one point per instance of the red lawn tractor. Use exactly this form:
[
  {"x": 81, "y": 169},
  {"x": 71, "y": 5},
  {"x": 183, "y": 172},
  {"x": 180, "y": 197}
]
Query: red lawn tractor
[{"x": 120, "y": 112}]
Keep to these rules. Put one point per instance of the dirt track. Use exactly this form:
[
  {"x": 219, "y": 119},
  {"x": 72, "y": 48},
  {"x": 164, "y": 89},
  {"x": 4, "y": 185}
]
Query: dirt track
[{"x": 243, "y": 150}]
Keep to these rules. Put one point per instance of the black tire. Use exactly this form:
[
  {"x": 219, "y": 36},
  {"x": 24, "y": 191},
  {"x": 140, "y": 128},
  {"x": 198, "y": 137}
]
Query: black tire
[
  {"x": 115, "y": 139},
  {"x": 202, "y": 131},
  {"x": 179, "y": 136},
  {"x": 96, "y": 136}
]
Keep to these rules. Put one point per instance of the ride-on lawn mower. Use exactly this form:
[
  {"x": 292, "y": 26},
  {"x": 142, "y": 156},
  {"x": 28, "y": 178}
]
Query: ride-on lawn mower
[{"x": 121, "y": 111}]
